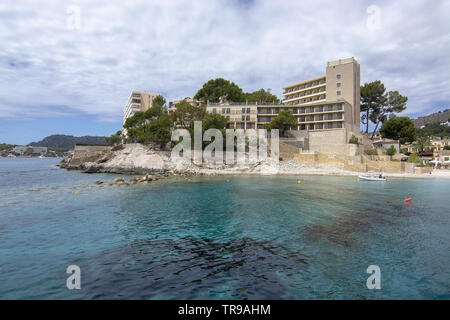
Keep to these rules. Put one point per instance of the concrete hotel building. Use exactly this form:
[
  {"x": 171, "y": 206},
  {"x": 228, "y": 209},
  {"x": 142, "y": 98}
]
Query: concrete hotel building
[
  {"x": 138, "y": 101},
  {"x": 326, "y": 102}
]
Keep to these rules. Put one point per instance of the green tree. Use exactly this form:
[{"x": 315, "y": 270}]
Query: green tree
[
  {"x": 158, "y": 108},
  {"x": 372, "y": 98},
  {"x": 135, "y": 121},
  {"x": 114, "y": 139},
  {"x": 413, "y": 158},
  {"x": 283, "y": 122},
  {"x": 185, "y": 114},
  {"x": 391, "y": 151},
  {"x": 152, "y": 125},
  {"x": 261, "y": 96},
  {"x": 214, "y": 121},
  {"x": 214, "y": 89},
  {"x": 158, "y": 130},
  {"x": 422, "y": 142},
  {"x": 399, "y": 128},
  {"x": 393, "y": 103}
]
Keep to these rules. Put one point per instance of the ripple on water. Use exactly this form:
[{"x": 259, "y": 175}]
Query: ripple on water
[{"x": 190, "y": 268}]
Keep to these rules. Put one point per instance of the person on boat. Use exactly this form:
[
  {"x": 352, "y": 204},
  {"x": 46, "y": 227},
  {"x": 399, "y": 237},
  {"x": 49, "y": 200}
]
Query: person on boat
[{"x": 380, "y": 176}]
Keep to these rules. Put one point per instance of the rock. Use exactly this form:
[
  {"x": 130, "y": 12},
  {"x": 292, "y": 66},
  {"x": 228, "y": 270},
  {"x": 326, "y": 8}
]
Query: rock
[
  {"x": 119, "y": 180},
  {"x": 34, "y": 190},
  {"x": 98, "y": 182}
]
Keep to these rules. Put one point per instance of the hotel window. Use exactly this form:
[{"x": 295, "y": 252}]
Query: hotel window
[
  {"x": 330, "y": 108},
  {"x": 248, "y": 110},
  {"x": 214, "y": 110},
  {"x": 228, "y": 110},
  {"x": 339, "y": 116},
  {"x": 242, "y": 125},
  {"x": 223, "y": 110},
  {"x": 338, "y": 93},
  {"x": 311, "y": 126},
  {"x": 339, "y": 124},
  {"x": 248, "y": 118},
  {"x": 338, "y": 84},
  {"x": 320, "y": 117},
  {"x": 249, "y": 125},
  {"x": 294, "y": 111},
  {"x": 303, "y": 127},
  {"x": 243, "y": 110},
  {"x": 320, "y": 126},
  {"x": 338, "y": 76},
  {"x": 330, "y": 116},
  {"x": 321, "y": 109},
  {"x": 339, "y": 106},
  {"x": 243, "y": 118},
  {"x": 330, "y": 125},
  {"x": 302, "y": 110},
  {"x": 276, "y": 111},
  {"x": 302, "y": 119}
]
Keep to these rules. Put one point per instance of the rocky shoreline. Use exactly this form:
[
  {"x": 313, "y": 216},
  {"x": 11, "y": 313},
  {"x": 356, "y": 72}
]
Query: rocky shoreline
[
  {"x": 138, "y": 159},
  {"x": 152, "y": 165}
]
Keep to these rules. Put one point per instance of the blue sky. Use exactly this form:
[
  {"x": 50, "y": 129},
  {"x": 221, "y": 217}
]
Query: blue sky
[{"x": 64, "y": 75}]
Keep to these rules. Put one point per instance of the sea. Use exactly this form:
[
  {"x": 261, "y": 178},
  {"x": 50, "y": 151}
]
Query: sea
[{"x": 220, "y": 237}]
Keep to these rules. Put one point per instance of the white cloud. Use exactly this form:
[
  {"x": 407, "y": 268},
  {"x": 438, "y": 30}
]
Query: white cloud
[{"x": 173, "y": 47}]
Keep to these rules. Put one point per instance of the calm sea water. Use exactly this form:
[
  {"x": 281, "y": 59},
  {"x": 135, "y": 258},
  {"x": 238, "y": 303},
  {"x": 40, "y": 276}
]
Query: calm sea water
[{"x": 220, "y": 237}]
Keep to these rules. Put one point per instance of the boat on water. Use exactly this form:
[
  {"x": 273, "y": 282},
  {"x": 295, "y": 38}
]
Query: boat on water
[{"x": 372, "y": 178}]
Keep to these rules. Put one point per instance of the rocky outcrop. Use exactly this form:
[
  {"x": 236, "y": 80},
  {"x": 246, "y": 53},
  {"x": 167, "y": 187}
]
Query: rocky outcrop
[
  {"x": 140, "y": 159},
  {"x": 85, "y": 154}
]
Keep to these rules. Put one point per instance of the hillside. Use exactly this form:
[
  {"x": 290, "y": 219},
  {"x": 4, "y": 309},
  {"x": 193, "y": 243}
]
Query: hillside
[
  {"x": 67, "y": 142},
  {"x": 441, "y": 116}
]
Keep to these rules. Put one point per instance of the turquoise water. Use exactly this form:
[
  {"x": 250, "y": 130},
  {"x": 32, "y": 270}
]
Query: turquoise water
[{"x": 220, "y": 237}]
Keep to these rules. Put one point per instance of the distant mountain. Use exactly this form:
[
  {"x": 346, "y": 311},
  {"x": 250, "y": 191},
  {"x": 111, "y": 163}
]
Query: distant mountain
[
  {"x": 441, "y": 116},
  {"x": 67, "y": 142}
]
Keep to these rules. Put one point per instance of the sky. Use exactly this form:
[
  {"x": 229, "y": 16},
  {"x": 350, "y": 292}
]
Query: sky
[{"x": 67, "y": 67}]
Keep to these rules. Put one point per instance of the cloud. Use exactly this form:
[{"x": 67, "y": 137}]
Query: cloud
[{"x": 49, "y": 68}]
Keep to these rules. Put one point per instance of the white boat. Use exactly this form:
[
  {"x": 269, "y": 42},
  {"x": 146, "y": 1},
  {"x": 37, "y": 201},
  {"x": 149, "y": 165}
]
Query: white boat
[{"x": 372, "y": 178}]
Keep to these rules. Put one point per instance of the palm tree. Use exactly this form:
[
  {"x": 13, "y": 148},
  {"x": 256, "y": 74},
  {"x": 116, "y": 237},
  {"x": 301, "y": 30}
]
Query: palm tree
[{"x": 422, "y": 142}]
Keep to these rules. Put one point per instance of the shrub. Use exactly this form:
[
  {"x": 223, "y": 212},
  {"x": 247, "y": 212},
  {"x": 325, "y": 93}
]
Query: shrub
[
  {"x": 371, "y": 152},
  {"x": 413, "y": 158},
  {"x": 353, "y": 140},
  {"x": 446, "y": 147},
  {"x": 114, "y": 139},
  {"x": 391, "y": 151}
]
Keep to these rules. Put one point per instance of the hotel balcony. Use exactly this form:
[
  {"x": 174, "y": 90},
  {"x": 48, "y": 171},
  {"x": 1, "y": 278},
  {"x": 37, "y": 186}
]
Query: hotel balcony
[
  {"x": 304, "y": 86},
  {"x": 304, "y": 94}
]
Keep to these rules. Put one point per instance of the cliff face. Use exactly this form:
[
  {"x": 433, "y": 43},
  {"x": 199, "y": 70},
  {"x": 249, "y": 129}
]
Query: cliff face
[{"x": 437, "y": 117}]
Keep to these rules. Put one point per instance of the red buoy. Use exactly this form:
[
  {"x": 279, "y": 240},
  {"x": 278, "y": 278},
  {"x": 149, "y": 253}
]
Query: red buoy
[{"x": 408, "y": 199}]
